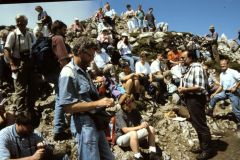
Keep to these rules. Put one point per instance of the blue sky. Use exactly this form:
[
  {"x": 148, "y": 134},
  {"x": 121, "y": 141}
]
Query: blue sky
[{"x": 193, "y": 16}]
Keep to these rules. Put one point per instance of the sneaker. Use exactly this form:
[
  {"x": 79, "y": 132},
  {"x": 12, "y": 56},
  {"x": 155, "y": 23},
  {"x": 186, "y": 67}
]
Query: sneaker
[
  {"x": 62, "y": 136},
  {"x": 154, "y": 156},
  {"x": 209, "y": 112},
  {"x": 204, "y": 155}
]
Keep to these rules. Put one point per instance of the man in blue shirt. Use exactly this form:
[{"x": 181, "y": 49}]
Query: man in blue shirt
[
  {"x": 78, "y": 96},
  {"x": 19, "y": 141}
]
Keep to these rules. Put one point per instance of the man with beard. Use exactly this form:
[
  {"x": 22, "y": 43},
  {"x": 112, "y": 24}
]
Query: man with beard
[
  {"x": 18, "y": 141},
  {"x": 79, "y": 96},
  {"x": 194, "y": 90}
]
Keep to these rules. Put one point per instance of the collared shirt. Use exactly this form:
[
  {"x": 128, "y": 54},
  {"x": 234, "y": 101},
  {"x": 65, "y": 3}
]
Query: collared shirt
[
  {"x": 101, "y": 59},
  {"x": 142, "y": 68},
  {"x": 195, "y": 77},
  {"x": 229, "y": 78},
  {"x": 75, "y": 86},
  {"x": 25, "y": 45},
  {"x": 13, "y": 145}
]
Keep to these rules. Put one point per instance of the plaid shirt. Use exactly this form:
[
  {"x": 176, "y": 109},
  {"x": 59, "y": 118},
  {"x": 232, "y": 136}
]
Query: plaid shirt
[{"x": 195, "y": 77}]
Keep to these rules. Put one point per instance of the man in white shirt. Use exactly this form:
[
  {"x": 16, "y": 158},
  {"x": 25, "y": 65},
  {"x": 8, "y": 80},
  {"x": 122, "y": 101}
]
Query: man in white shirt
[
  {"x": 110, "y": 14},
  {"x": 101, "y": 63},
  {"x": 229, "y": 88}
]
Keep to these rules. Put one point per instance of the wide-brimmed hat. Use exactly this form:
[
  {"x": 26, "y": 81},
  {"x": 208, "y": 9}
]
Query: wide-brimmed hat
[{"x": 211, "y": 27}]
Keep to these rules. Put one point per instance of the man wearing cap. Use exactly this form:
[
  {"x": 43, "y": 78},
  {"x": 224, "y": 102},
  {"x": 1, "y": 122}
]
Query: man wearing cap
[
  {"x": 212, "y": 38},
  {"x": 125, "y": 50}
]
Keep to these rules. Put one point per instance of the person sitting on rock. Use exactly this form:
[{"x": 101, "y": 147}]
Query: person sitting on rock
[
  {"x": 77, "y": 26},
  {"x": 101, "y": 64},
  {"x": 131, "y": 20},
  {"x": 142, "y": 69},
  {"x": 149, "y": 17},
  {"x": 131, "y": 128},
  {"x": 125, "y": 50},
  {"x": 174, "y": 56},
  {"x": 158, "y": 68},
  {"x": 229, "y": 88},
  {"x": 99, "y": 15},
  {"x": 19, "y": 140},
  {"x": 110, "y": 15},
  {"x": 105, "y": 39},
  {"x": 171, "y": 89},
  {"x": 129, "y": 80}
]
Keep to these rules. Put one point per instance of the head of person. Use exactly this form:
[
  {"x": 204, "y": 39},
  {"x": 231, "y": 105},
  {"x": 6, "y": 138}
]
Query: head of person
[
  {"x": 143, "y": 56},
  {"x": 128, "y": 6},
  {"x": 105, "y": 31},
  {"x": 100, "y": 9},
  {"x": 212, "y": 29},
  {"x": 59, "y": 28},
  {"x": 150, "y": 10},
  {"x": 125, "y": 67},
  {"x": 26, "y": 122},
  {"x": 139, "y": 7},
  {"x": 127, "y": 102},
  {"x": 84, "y": 49},
  {"x": 160, "y": 56},
  {"x": 39, "y": 9},
  {"x": 188, "y": 57},
  {"x": 21, "y": 21},
  {"x": 3, "y": 34},
  {"x": 107, "y": 6},
  {"x": 125, "y": 38},
  {"x": 224, "y": 64}
]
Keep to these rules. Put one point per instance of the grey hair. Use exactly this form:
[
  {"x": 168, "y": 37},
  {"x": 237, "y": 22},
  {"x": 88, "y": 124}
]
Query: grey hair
[
  {"x": 18, "y": 16},
  {"x": 4, "y": 33},
  {"x": 82, "y": 44}
]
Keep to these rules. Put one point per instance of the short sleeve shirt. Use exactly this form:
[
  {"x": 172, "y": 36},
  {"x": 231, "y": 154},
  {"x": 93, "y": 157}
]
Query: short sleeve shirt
[
  {"x": 25, "y": 45},
  {"x": 59, "y": 47},
  {"x": 155, "y": 66},
  {"x": 229, "y": 78},
  {"x": 124, "y": 119},
  {"x": 13, "y": 145},
  {"x": 142, "y": 68}
]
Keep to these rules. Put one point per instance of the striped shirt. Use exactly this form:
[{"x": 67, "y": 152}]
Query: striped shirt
[{"x": 195, "y": 77}]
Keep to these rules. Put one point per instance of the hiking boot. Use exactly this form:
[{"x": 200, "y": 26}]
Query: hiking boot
[
  {"x": 238, "y": 130},
  {"x": 204, "y": 155},
  {"x": 62, "y": 136},
  {"x": 209, "y": 112},
  {"x": 196, "y": 150},
  {"x": 154, "y": 156}
]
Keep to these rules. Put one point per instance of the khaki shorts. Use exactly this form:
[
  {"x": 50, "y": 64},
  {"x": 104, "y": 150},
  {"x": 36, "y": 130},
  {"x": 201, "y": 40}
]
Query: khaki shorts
[{"x": 124, "y": 140}]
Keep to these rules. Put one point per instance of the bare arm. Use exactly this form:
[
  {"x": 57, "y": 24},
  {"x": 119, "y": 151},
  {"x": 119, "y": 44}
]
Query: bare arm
[{"x": 86, "y": 106}]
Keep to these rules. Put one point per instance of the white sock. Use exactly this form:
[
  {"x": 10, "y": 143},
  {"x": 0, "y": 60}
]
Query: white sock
[
  {"x": 137, "y": 155},
  {"x": 152, "y": 149}
]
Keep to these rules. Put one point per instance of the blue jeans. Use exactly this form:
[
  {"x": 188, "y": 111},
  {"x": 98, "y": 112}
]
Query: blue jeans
[
  {"x": 131, "y": 60},
  {"x": 234, "y": 98},
  {"x": 92, "y": 144}
]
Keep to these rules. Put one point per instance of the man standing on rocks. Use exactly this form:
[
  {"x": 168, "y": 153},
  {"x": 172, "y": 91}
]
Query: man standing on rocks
[
  {"x": 194, "y": 90},
  {"x": 212, "y": 38},
  {"x": 18, "y": 51},
  {"x": 79, "y": 96},
  {"x": 228, "y": 89}
]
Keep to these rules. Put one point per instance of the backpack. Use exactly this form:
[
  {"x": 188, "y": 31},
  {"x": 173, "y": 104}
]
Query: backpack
[
  {"x": 44, "y": 59},
  {"x": 110, "y": 131}
]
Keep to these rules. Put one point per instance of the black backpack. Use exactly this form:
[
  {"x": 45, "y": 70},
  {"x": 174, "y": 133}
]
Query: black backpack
[{"x": 44, "y": 59}]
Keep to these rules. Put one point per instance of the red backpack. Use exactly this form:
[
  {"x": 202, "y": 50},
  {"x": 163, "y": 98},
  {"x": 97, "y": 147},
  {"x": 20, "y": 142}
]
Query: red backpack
[{"x": 110, "y": 131}]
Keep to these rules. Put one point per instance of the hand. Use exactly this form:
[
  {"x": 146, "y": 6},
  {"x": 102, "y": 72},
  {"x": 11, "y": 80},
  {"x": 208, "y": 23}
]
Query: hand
[
  {"x": 38, "y": 154},
  {"x": 212, "y": 95},
  {"x": 181, "y": 89},
  {"x": 41, "y": 145},
  {"x": 144, "y": 125},
  {"x": 106, "y": 102},
  {"x": 232, "y": 90}
]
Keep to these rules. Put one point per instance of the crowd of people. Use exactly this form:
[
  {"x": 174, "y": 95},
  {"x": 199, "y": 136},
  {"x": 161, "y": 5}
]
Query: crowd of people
[{"x": 86, "y": 83}]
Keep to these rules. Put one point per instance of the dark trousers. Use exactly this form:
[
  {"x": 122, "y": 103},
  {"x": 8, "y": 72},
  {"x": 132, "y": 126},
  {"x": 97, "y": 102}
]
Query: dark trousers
[
  {"x": 5, "y": 72},
  {"x": 196, "y": 104}
]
